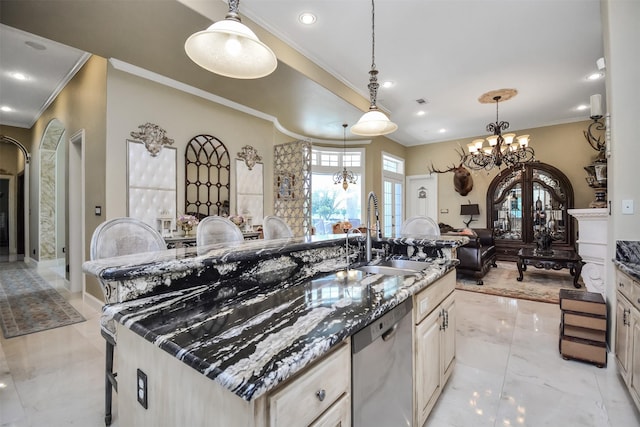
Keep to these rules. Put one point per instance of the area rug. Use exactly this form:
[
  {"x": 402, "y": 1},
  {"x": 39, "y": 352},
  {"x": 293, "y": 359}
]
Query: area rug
[
  {"x": 537, "y": 284},
  {"x": 28, "y": 303}
]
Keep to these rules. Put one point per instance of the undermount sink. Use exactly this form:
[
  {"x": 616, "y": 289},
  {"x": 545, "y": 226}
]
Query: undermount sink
[{"x": 394, "y": 267}]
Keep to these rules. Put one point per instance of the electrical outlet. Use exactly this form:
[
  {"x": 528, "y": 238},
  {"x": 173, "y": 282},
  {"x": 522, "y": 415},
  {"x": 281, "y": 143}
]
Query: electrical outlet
[{"x": 142, "y": 389}]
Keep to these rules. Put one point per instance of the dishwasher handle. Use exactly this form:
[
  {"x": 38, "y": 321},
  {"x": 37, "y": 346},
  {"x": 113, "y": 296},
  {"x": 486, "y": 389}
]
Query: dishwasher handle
[{"x": 389, "y": 333}]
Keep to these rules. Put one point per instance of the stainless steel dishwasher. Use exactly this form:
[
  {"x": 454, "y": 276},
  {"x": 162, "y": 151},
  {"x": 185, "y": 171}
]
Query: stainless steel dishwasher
[{"x": 382, "y": 386}]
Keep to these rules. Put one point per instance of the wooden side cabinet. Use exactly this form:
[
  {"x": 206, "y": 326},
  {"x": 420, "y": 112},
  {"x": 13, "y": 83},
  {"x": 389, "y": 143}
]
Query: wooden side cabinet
[
  {"x": 434, "y": 344},
  {"x": 627, "y": 345}
]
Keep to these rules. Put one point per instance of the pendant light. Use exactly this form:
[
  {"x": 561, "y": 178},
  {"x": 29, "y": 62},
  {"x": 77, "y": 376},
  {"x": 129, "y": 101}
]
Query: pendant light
[
  {"x": 344, "y": 176},
  {"x": 374, "y": 122},
  {"x": 231, "y": 49}
]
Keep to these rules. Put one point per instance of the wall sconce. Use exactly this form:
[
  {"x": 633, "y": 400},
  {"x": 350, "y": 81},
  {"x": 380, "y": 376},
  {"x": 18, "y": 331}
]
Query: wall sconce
[
  {"x": 471, "y": 209},
  {"x": 153, "y": 137},
  {"x": 598, "y": 143}
]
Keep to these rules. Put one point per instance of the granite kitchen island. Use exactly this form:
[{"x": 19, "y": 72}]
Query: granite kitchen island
[{"x": 218, "y": 335}]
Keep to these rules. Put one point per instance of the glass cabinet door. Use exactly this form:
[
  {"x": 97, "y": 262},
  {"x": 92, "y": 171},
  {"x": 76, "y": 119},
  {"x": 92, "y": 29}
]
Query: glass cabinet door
[
  {"x": 549, "y": 205},
  {"x": 507, "y": 207}
]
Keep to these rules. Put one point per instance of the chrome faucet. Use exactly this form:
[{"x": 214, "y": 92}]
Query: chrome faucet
[{"x": 373, "y": 197}]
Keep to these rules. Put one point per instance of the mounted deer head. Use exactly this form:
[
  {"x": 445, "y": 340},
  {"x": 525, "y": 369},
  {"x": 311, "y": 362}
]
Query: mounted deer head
[{"x": 462, "y": 180}]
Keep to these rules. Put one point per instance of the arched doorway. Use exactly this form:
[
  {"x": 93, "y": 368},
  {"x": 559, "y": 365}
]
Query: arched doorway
[
  {"x": 51, "y": 218},
  {"x": 17, "y": 195}
]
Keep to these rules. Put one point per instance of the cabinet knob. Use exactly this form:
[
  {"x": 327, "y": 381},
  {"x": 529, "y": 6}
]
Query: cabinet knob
[{"x": 321, "y": 394}]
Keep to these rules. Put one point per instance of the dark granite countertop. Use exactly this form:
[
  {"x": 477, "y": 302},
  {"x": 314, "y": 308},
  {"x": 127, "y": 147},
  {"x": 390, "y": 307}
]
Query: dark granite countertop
[
  {"x": 630, "y": 268},
  {"x": 628, "y": 257},
  {"x": 249, "y": 340}
]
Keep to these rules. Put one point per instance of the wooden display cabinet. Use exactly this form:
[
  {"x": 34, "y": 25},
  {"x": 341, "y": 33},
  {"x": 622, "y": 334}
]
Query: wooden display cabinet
[{"x": 524, "y": 200}]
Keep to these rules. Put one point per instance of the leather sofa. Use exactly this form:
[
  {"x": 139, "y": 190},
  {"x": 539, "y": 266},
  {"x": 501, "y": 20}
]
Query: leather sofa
[{"x": 477, "y": 256}]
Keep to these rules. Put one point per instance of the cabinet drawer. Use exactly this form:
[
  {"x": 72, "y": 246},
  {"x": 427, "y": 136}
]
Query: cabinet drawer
[
  {"x": 307, "y": 396},
  {"x": 625, "y": 284},
  {"x": 432, "y": 296},
  {"x": 339, "y": 415},
  {"x": 598, "y": 323}
]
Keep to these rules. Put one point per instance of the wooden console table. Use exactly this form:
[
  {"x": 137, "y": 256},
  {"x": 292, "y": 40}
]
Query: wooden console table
[{"x": 555, "y": 259}]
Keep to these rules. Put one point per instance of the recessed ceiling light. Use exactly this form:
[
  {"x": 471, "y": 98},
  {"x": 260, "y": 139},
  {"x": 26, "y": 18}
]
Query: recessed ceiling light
[
  {"x": 18, "y": 76},
  {"x": 387, "y": 84},
  {"x": 6, "y": 109},
  {"x": 582, "y": 107},
  {"x": 595, "y": 76},
  {"x": 421, "y": 113},
  {"x": 443, "y": 130},
  {"x": 307, "y": 18}
]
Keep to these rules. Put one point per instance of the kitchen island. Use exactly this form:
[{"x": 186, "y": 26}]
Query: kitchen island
[{"x": 282, "y": 310}]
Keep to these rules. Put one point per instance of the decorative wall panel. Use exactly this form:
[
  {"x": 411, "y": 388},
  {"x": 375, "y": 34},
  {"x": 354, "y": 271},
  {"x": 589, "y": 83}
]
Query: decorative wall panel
[
  {"x": 292, "y": 185},
  {"x": 151, "y": 184},
  {"x": 250, "y": 191}
]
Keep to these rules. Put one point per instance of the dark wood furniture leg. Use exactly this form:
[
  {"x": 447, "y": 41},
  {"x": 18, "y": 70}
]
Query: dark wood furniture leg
[
  {"x": 576, "y": 273},
  {"x": 110, "y": 382},
  {"x": 521, "y": 268}
]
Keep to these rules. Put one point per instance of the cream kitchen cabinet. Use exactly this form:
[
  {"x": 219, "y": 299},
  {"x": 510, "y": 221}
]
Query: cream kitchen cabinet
[
  {"x": 319, "y": 396},
  {"x": 627, "y": 346},
  {"x": 434, "y": 344},
  {"x": 322, "y": 389}
]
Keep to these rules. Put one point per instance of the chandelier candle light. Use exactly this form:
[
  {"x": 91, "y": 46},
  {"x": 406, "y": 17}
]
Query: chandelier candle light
[
  {"x": 504, "y": 149},
  {"x": 231, "y": 49},
  {"x": 374, "y": 122},
  {"x": 344, "y": 176}
]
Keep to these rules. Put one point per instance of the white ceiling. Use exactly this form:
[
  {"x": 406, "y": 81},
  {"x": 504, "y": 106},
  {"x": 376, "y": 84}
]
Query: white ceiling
[
  {"x": 46, "y": 67},
  {"x": 447, "y": 52}
]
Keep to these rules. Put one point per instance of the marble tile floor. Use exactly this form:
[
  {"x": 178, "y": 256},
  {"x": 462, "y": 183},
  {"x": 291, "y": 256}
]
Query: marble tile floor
[{"x": 508, "y": 373}]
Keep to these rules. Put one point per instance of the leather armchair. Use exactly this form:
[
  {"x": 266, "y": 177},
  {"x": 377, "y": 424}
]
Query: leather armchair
[{"x": 478, "y": 256}]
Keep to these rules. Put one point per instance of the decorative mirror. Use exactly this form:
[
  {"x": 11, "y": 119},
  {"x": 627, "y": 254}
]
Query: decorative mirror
[{"x": 207, "y": 177}]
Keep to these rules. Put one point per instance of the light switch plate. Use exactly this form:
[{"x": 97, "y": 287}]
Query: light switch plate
[{"x": 627, "y": 207}]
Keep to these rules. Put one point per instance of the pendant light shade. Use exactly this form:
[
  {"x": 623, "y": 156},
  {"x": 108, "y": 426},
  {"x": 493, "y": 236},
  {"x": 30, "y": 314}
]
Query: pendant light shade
[
  {"x": 231, "y": 49},
  {"x": 374, "y": 122}
]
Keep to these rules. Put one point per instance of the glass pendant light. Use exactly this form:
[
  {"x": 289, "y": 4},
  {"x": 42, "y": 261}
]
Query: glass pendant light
[
  {"x": 374, "y": 122},
  {"x": 231, "y": 49}
]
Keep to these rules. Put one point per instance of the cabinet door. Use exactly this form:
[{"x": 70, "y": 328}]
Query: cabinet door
[
  {"x": 623, "y": 336},
  {"x": 634, "y": 356},
  {"x": 448, "y": 338},
  {"x": 427, "y": 353}
]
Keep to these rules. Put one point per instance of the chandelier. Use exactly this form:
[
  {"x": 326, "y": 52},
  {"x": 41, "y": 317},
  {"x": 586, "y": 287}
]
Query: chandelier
[
  {"x": 231, "y": 49},
  {"x": 507, "y": 149},
  {"x": 344, "y": 176},
  {"x": 374, "y": 122}
]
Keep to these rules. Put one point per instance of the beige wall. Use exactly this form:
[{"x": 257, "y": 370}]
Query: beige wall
[
  {"x": 562, "y": 146},
  {"x": 80, "y": 105},
  {"x": 133, "y": 101}
]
